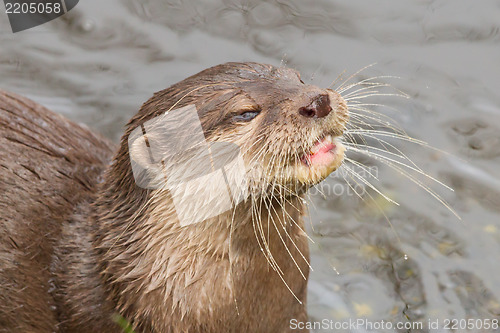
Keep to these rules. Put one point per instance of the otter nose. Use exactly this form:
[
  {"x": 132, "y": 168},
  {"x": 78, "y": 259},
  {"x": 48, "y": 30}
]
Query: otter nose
[{"x": 319, "y": 107}]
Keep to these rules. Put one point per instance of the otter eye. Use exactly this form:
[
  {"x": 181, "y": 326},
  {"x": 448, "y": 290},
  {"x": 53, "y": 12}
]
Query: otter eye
[{"x": 246, "y": 116}]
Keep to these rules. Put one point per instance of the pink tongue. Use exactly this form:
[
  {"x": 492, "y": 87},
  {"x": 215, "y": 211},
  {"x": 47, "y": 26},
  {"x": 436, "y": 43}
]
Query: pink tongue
[
  {"x": 323, "y": 155},
  {"x": 325, "y": 147}
]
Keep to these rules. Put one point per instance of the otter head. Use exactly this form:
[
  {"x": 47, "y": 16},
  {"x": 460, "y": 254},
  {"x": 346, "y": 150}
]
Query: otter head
[
  {"x": 188, "y": 156},
  {"x": 288, "y": 131},
  {"x": 283, "y": 133}
]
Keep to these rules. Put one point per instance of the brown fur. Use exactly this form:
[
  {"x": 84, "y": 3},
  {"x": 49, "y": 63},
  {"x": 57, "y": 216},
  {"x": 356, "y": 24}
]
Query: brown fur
[
  {"x": 75, "y": 251},
  {"x": 48, "y": 166}
]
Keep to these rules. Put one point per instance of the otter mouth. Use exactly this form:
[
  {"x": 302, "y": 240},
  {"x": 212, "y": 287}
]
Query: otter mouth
[
  {"x": 322, "y": 153},
  {"x": 324, "y": 157}
]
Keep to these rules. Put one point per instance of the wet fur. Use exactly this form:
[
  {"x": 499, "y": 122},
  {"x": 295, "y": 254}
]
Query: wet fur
[
  {"x": 48, "y": 167},
  {"x": 76, "y": 251}
]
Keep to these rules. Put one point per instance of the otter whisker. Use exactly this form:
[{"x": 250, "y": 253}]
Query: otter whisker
[
  {"x": 393, "y": 164},
  {"x": 358, "y": 122},
  {"x": 364, "y": 89},
  {"x": 366, "y": 109},
  {"x": 286, "y": 200},
  {"x": 315, "y": 71},
  {"x": 359, "y": 118},
  {"x": 383, "y": 143},
  {"x": 362, "y": 166},
  {"x": 363, "y": 96},
  {"x": 374, "y": 133},
  {"x": 349, "y": 184},
  {"x": 194, "y": 90},
  {"x": 275, "y": 266},
  {"x": 285, "y": 212},
  {"x": 350, "y": 137},
  {"x": 280, "y": 273},
  {"x": 320, "y": 190},
  {"x": 230, "y": 251},
  {"x": 369, "y": 82},
  {"x": 398, "y": 153},
  {"x": 362, "y": 110},
  {"x": 385, "y": 151},
  {"x": 257, "y": 220},
  {"x": 283, "y": 241},
  {"x": 307, "y": 210},
  {"x": 339, "y": 88},
  {"x": 418, "y": 170},
  {"x": 260, "y": 236},
  {"x": 255, "y": 215},
  {"x": 339, "y": 77},
  {"x": 370, "y": 185},
  {"x": 379, "y": 208}
]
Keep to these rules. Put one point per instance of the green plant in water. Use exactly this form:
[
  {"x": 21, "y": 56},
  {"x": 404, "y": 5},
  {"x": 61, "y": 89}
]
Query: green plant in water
[{"x": 123, "y": 322}]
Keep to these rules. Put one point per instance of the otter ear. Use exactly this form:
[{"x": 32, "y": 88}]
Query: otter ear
[
  {"x": 161, "y": 144},
  {"x": 142, "y": 160}
]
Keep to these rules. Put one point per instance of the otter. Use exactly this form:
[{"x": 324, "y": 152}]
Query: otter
[{"x": 81, "y": 242}]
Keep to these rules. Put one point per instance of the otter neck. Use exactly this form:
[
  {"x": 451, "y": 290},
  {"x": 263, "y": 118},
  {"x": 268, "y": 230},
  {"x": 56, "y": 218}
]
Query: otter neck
[{"x": 156, "y": 270}]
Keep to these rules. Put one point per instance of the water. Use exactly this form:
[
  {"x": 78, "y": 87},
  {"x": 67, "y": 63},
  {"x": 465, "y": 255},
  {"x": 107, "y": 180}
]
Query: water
[{"x": 97, "y": 64}]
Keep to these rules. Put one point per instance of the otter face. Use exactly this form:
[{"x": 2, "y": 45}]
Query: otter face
[{"x": 287, "y": 131}]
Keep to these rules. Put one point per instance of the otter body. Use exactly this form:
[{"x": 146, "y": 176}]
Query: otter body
[
  {"x": 48, "y": 167},
  {"x": 81, "y": 242}
]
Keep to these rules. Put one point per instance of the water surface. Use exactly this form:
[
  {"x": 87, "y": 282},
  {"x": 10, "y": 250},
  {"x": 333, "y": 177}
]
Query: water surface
[{"x": 371, "y": 259}]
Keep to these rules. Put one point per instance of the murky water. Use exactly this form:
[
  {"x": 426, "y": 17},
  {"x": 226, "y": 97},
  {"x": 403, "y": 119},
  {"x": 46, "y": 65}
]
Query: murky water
[{"x": 371, "y": 259}]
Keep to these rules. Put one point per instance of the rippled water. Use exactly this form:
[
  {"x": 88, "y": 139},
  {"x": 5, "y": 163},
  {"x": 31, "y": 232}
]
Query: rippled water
[{"x": 98, "y": 63}]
